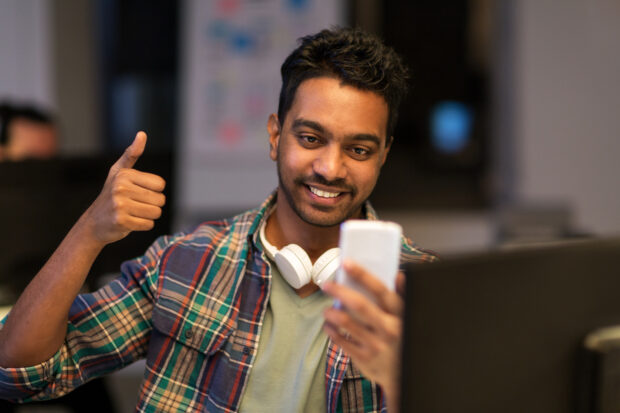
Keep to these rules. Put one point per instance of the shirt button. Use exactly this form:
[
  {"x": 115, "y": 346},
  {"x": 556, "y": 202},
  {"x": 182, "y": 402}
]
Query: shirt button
[
  {"x": 246, "y": 351},
  {"x": 189, "y": 333}
]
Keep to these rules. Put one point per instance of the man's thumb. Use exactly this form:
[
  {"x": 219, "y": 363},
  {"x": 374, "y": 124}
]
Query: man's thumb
[{"x": 132, "y": 153}]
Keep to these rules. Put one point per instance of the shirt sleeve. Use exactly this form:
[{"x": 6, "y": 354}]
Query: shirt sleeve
[{"x": 106, "y": 331}]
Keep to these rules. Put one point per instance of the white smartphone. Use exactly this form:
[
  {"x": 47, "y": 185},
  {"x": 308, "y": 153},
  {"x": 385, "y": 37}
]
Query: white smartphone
[{"x": 375, "y": 245}]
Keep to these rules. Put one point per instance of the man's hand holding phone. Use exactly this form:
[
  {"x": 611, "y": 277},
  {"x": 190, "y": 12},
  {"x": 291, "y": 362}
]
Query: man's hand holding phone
[{"x": 367, "y": 322}]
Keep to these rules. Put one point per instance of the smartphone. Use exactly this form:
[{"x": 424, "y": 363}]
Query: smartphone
[{"x": 375, "y": 245}]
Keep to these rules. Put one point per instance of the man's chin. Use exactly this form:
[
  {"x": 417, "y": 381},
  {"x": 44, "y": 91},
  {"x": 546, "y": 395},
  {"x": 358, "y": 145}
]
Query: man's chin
[
  {"x": 323, "y": 223},
  {"x": 323, "y": 218}
]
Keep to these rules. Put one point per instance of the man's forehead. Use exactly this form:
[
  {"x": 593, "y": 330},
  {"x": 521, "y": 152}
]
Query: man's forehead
[{"x": 328, "y": 103}]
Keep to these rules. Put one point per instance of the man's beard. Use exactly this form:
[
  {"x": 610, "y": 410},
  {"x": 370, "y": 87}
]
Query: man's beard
[{"x": 336, "y": 216}]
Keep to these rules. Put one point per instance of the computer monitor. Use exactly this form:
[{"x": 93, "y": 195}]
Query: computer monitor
[
  {"x": 41, "y": 199},
  {"x": 503, "y": 331}
]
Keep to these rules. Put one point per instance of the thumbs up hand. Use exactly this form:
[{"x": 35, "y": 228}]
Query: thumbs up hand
[{"x": 129, "y": 201}]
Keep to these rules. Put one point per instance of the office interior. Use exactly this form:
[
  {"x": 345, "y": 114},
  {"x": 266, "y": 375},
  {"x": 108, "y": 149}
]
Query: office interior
[{"x": 509, "y": 135}]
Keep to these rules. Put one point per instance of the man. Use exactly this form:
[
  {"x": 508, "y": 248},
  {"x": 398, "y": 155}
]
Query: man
[
  {"x": 25, "y": 133},
  {"x": 220, "y": 329}
]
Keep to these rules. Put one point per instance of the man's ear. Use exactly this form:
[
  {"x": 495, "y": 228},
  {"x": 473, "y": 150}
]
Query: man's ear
[
  {"x": 388, "y": 146},
  {"x": 273, "y": 128}
]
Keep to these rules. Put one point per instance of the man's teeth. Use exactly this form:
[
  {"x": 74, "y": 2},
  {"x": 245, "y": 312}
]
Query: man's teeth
[{"x": 324, "y": 194}]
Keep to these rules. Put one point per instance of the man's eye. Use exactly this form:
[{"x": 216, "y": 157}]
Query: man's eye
[
  {"x": 309, "y": 139},
  {"x": 361, "y": 151}
]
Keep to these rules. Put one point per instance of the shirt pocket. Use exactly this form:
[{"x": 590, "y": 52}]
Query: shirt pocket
[{"x": 202, "y": 327}]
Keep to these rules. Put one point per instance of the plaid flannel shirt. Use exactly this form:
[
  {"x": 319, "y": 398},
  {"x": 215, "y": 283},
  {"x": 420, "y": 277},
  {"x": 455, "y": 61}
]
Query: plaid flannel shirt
[{"x": 193, "y": 305}]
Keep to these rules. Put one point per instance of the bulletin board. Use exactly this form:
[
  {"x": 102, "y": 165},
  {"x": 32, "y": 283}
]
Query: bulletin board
[{"x": 232, "y": 51}]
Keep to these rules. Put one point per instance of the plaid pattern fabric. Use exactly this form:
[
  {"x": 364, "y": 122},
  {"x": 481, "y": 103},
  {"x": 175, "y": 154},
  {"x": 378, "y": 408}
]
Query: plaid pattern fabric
[{"x": 193, "y": 307}]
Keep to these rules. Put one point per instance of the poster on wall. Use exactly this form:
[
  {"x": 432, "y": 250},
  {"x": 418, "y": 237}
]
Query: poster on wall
[{"x": 231, "y": 56}]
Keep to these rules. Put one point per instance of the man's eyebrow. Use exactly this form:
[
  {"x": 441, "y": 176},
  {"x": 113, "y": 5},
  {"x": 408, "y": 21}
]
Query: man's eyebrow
[
  {"x": 301, "y": 122},
  {"x": 365, "y": 137}
]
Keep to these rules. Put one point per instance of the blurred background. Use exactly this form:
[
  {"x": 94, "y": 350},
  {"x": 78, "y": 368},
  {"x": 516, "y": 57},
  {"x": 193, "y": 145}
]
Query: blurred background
[{"x": 509, "y": 135}]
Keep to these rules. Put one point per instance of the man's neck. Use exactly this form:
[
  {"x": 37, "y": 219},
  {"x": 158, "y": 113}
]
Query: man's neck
[{"x": 285, "y": 227}]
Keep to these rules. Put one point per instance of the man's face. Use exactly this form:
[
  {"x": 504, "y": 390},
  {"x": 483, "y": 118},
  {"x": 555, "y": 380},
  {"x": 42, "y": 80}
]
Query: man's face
[
  {"x": 329, "y": 150},
  {"x": 30, "y": 140}
]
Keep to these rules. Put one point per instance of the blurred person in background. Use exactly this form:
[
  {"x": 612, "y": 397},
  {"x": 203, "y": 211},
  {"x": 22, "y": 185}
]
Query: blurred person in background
[{"x": 26, "y": 132}]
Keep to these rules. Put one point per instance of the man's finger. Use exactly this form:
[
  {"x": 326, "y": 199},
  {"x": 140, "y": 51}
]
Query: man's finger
[
  {"x": 369, "y": 282},
  {"x": 354, "y": 302},
  {"x": 146, "y": 196},
  {"x": 142, "y": 210},
  {"x": 132, "y": 153},
  {"x": 347, "y": 326},
  {"x": 147, "y": 180},
  {"x": 385, "y": 298}
]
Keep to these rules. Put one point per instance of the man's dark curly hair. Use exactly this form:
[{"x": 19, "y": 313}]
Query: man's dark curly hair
[{"x": 353, "y": 56}]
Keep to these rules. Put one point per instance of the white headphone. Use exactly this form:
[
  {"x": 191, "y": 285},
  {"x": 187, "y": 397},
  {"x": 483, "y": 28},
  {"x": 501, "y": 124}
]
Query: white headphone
[{"x": 295, "y": 265}]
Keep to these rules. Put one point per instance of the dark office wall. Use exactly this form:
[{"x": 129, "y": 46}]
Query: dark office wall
[
  {"x": 137, "y": 42},
  {"x": 444, "y": 45}
]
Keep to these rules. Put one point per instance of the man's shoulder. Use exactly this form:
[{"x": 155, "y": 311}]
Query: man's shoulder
[
  {"x": 238, "y": 227},
  {"x": 409, "y": 251},
  {"x": 211, "y": 249}
]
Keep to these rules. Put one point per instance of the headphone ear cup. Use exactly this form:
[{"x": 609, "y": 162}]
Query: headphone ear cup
[
  {"x": 294, "y": 265},
  {"x": 326, "y": 266}
]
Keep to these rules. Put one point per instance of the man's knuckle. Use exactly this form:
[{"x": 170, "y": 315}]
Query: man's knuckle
[
  {"x": 357, "y": 306},
  {"x": 118, "y": 218},
  {"x": 118, "y": 189},
  {"x": 393, "y": 330},
  {"x": 118, "y": 203},
  {"x": 385, "y": 296}
]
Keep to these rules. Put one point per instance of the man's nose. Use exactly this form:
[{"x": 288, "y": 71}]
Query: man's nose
[{"x": 331, "y": 163}]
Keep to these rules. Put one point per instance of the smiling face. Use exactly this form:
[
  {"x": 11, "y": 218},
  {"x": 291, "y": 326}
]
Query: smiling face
[{"x": 329, "y": 151}]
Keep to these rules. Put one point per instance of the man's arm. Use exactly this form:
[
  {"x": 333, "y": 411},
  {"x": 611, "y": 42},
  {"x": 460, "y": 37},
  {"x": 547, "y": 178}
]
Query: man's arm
[
  {"x": 371, "y": 334},
  {"x": 129, "y": 201}
]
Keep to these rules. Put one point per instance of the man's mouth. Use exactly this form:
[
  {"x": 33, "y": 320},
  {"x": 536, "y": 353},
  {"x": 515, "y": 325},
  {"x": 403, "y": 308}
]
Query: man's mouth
[{"x": 323, "y": 194}]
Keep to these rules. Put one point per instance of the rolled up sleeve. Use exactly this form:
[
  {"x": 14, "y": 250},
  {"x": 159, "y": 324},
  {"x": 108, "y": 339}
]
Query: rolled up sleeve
[
  {"x": 22, "y": 384},
  {"x": 106, "y": 330}
]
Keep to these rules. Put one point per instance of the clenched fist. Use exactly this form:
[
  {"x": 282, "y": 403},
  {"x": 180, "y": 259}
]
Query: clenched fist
[{"x": 129, "y": 201}]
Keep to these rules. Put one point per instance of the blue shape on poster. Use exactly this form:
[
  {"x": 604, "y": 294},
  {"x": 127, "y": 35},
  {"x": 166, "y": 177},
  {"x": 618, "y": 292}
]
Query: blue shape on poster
[
  {"x": 451, "y": 126},
  {"x": 298, "y": 4},
  {"x": 242, "y": 42}
]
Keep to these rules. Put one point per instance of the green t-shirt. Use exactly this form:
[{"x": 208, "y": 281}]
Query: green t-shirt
[{"x": 289, "y": 370}]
